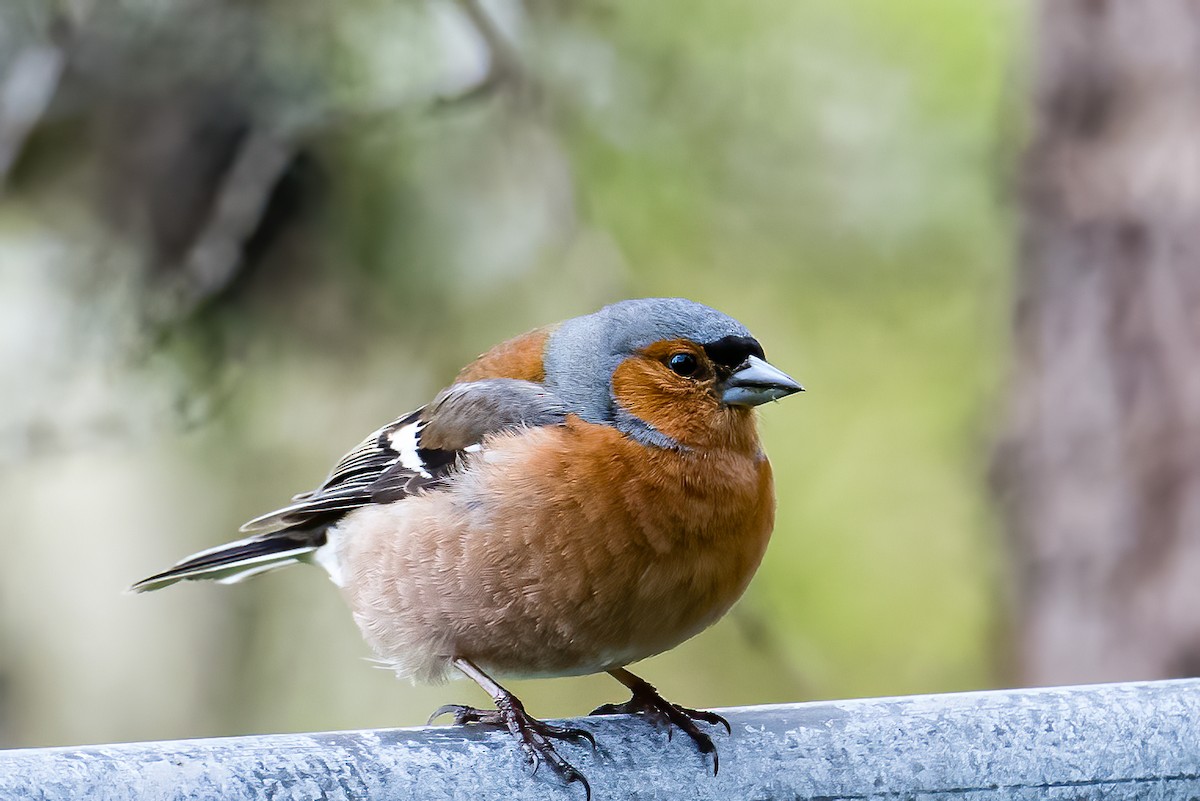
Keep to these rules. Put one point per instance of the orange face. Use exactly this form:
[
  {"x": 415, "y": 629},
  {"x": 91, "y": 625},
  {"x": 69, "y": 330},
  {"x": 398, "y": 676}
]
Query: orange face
[{"x": 672, "y": 385}]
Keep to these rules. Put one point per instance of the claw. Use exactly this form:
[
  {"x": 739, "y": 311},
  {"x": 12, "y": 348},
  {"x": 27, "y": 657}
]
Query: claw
[
  {"x": 533, "y": 735},
  {"x": 646, "y": 702},
  {"x": 581, "y": 734},
  {"x": 533, "y": 760},
  {"x": 587, "y": 788},
  {"x": 462, "y": 714},
  {"x": 709, "y": 717}
]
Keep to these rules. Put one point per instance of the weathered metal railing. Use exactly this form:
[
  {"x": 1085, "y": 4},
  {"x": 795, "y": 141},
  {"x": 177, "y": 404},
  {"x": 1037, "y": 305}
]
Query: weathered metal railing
[{"x": 1117, "y": 741}]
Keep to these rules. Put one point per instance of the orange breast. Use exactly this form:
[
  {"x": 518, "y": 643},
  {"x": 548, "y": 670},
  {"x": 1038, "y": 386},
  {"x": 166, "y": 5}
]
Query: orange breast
[{"x": 602, "y": 552}]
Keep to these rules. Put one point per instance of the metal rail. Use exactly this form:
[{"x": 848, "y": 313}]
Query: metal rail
[{"x": 1116, "y": 741}]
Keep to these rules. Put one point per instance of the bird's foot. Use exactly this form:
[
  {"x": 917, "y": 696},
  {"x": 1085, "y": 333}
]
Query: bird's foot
[
  {"x": 533, "y": 736},
  {"x": 663, "y": 714}
]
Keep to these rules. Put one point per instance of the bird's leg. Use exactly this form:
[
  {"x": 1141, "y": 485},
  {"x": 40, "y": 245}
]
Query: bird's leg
[
  {"x": 647, "y": 702},
  {"x": 533, "y": 736}
]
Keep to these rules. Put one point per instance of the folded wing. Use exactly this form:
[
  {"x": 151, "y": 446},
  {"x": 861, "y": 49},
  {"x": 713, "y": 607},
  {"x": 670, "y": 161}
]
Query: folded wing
[{"x": 419, "y": 452}]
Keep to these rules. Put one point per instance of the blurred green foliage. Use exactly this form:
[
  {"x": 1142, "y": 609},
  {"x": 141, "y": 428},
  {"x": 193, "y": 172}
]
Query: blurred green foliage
[{"x": 831, "y": 173}]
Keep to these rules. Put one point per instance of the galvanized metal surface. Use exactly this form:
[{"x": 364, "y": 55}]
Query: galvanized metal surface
[{"x": 1120, "y": 741}]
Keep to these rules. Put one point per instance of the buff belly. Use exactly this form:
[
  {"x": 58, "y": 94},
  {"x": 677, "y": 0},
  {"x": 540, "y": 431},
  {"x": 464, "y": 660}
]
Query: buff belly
[{"x": 526, "y": 577}]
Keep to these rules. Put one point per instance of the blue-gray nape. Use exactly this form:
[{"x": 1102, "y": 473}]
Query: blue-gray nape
[{"x": 582, "y": 353}]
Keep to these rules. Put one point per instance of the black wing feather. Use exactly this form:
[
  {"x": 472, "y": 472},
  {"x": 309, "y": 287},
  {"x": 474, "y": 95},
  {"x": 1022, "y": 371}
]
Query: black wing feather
[{"x": 420, "y": 451}]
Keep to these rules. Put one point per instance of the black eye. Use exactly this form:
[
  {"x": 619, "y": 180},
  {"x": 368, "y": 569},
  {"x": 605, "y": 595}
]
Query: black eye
[{"x": 684, "y": 364}]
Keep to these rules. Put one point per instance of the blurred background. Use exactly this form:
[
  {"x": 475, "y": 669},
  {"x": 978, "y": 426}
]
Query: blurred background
[{"x": 237, "y": 235}]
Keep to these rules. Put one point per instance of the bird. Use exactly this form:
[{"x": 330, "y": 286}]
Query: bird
[{"x": 581, "y": 497}]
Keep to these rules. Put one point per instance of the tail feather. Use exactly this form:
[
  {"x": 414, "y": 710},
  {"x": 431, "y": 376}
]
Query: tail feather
[{"x": 235, "y": 561}]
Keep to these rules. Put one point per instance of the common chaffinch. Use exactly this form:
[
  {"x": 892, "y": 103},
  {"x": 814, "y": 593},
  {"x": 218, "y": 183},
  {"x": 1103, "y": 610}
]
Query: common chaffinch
[{"x": 581, "y": 497}]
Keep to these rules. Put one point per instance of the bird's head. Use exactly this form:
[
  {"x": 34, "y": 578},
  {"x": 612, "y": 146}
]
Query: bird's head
[{"x": 666, "y": 371}]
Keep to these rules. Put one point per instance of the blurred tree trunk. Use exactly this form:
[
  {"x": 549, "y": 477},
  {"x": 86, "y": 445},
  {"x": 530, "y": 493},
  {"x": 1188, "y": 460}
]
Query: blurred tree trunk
[{"x": 1099, "y": 464}]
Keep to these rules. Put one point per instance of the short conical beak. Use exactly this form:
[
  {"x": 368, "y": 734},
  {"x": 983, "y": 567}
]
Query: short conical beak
[{"x": 757, "y": 382}]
